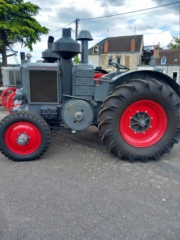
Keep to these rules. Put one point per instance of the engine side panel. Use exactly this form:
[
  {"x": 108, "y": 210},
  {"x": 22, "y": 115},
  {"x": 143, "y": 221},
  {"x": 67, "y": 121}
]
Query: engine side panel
[{"x": 83, "y": 81}]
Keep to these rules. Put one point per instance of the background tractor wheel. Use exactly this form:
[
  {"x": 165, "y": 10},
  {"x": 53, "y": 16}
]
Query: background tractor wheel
[
  {"x": 140, "y": 120},
  {"x": 5, "y": 94},
  {"x": 0, "y": 96},
  {"x": 10, "y": 103},
  {"x": 24, "y": 136}
]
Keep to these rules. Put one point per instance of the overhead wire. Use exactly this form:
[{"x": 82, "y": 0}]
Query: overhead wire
[
  {"x": 140, "y": 10},
  {"x": 62, "y": 27},
  {"x": 45, "y": 35},
  {"x": 95, "y": 19},
  {"x": 119, "y": 17}
]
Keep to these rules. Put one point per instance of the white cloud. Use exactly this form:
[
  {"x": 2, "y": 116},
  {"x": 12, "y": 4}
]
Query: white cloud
[
  {"x": 154, "y": 38},
  {"x": 157, "y": 25}
]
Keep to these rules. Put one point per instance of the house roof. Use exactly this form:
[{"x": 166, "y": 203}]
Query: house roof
[
  {"x": 172, "y": 56},
  {"x": 119, "y": 44}
]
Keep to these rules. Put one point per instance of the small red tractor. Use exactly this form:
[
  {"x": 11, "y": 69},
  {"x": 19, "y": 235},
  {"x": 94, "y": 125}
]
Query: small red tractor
[
  {"x": 7, "y": 98},
  {"x": 11, "y": 81},
  {"x": 137, "y": 112}
]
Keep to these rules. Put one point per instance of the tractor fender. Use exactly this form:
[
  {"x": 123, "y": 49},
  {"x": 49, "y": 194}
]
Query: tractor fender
[{"x": 146, "y": 74}]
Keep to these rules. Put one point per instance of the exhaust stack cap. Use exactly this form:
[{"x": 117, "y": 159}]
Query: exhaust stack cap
[
  {"x": 48, "y": 55},
  {"x": 66, "y": 47},
  {"x": 84, "y": 35}
]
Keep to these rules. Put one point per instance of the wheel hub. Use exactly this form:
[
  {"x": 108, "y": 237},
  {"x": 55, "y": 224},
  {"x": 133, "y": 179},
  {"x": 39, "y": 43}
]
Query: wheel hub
[
  {"x": 143, "y": 123},
  {"x": 140, "y": 122},
  {"x": 22, "y": 139}
]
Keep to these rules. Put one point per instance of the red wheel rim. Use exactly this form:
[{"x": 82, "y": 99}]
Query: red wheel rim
[
  {"x": 1, "y": 98},
  {"x": 17, "y": 130},
  {"x": 5, "y": 94},
  {"x": 143, "y": 123},
  {"x": 10, "y": 102}
]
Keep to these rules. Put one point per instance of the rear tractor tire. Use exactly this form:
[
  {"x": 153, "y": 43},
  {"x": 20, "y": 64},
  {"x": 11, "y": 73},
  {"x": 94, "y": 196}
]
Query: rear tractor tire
[
  {"x": 24, "y": 136},
  {"x": 140, "y": 120}
]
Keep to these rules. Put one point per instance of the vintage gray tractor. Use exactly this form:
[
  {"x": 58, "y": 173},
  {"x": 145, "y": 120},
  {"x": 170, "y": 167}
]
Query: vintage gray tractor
[{"x": 137, "y": 112}]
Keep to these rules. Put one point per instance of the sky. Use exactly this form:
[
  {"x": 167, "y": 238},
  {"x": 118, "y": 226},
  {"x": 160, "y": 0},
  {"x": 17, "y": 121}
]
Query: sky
[{"x": 106, "y": 18}]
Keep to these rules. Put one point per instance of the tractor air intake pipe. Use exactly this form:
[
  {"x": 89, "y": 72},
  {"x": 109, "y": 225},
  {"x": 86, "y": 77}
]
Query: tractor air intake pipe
[
  {"x": 48, "y": 55},
  {"x": 22, "y": 56},
  {"x": 84, "y": 36},
  {"x": 50, "y": 42}
]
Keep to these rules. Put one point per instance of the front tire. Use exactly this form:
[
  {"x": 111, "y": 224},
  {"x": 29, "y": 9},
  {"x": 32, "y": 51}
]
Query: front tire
[
  {"x": 140, "y": 120},
  {"x": 24, "y": 136}
]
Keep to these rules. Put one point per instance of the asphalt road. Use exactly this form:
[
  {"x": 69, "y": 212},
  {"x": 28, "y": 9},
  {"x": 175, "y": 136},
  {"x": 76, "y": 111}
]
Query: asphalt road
[{"x": 78, "y": 190}]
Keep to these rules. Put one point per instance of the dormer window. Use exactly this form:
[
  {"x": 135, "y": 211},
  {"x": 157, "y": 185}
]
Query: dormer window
[
  {"x": 96, "y": 49},
  {"x": 163, "y": 60}
]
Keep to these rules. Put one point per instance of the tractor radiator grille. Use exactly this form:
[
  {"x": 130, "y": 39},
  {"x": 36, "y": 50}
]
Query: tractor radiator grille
[{"x": 43, "y": 86}]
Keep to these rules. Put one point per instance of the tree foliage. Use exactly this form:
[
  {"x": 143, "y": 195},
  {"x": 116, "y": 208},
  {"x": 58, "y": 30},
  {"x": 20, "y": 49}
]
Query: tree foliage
[
  {"x": 17, "y": 23},
  {"x": 76, "y": 59},
  {"x": 175, "y": 43}
]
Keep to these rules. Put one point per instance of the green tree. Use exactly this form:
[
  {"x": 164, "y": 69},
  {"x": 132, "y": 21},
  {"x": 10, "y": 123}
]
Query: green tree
[
  {"x": 175, "y": 43},
  {"x": 76, "y": 59},
  {"x": 17, "y": 24}
]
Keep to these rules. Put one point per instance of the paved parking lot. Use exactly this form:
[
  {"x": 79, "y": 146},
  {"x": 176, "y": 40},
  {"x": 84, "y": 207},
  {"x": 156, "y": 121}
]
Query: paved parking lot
[{"x": 78, "y": 190}]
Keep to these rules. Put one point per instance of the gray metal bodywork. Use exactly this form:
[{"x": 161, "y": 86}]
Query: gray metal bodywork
[{"x": 52, "y": 90}]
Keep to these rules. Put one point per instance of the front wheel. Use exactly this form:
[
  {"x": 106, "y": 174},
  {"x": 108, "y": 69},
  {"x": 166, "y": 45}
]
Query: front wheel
[
  {"x": 24, "y": 136},
  {"x": 140, "y": 120}
]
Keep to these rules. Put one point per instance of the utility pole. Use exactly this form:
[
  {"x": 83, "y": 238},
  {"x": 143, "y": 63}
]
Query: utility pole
[{"x": 76, "y": 27}]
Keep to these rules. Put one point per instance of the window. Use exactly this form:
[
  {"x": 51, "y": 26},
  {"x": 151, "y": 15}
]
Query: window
[
  {"x": 118, "y": 60},
  {"x": 163, "y": 60},
  {"x": 109, "y": 60},
  {"x": 96, "y": 49}
]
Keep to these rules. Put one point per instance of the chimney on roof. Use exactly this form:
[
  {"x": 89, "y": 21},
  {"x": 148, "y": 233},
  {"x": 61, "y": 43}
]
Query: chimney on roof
[
  {"x": 132, "y": 44},
  {"x": 155, "y": 55},
  {"x": 156, "y": 50},
  {"x": 106, "y": 46}
]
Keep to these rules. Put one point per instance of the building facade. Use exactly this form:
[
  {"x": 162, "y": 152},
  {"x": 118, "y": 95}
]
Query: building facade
[
  {"x": 124, "y": 50},
  {"x": 163, "y": 60}
]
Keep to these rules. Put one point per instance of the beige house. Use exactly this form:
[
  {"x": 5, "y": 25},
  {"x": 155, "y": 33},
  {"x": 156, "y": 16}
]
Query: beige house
[{"x": 124, "y": 50}]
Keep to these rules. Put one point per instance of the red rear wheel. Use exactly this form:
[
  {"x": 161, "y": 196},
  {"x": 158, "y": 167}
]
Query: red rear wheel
[
  {"x": 143, "y": 123},
  {"x": 140, "y": 120}
]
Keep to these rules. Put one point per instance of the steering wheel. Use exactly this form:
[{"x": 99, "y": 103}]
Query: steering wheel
[{"x": 118, "y": 66}]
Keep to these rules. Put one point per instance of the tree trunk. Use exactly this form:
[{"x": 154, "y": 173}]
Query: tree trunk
[{"x": 4, "y": 56}]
